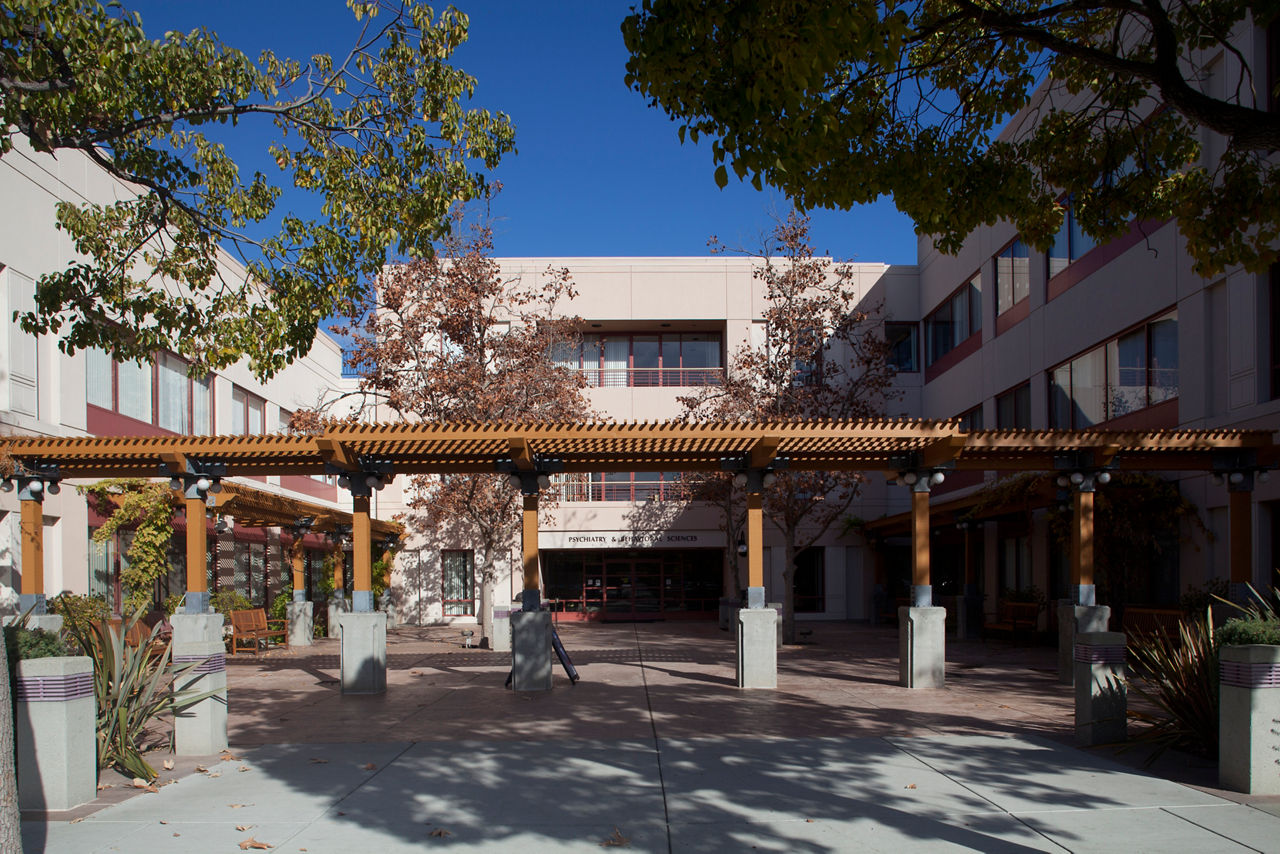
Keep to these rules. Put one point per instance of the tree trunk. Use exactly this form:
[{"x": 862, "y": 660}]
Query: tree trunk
[
  {"x": 485, "y": 611},
  {"x": 10, "y": 814}
]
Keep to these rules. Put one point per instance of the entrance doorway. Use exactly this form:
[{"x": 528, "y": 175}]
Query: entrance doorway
[{"x": 633, "y": 585}]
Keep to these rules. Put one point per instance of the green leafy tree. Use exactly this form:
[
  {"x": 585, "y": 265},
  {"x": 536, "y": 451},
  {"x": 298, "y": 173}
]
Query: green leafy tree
[
  {"x": 380, "y": 135},
  {"x": 840, "y": 103}
]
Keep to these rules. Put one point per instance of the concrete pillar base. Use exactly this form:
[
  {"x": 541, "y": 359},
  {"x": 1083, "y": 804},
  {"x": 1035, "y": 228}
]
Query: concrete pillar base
[
  {"x": 757, "y": 648},
  {"x": 531, "y": 651},
  {"x": 301, "y": 623},
  {"x": 922, "y": 647},
  {"x": 1249, "y": 705},
  {"x": 1074, "y": 620},
  {"x": 1101, "y": 700},
  {"x": 197, "y": 628},
  {"x": 501, "y": 629},
  {"x": 777, "y": 608},
  {"x": 337, "y": 607},
  {"x": 201, "y": 730},
  {"x": 922, "y": 595},
  {"x": 47, "y": 622},
  {"x": 362, "y": 601},
  {"x": 364, "y": 652},
  {"x": 196, "y": 603},
  {"x": 54, "y": 729}
]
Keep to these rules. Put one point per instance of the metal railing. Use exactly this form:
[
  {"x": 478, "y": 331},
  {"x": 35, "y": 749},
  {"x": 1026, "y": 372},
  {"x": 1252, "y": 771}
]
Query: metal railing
[{"x": 652, "y": 377}]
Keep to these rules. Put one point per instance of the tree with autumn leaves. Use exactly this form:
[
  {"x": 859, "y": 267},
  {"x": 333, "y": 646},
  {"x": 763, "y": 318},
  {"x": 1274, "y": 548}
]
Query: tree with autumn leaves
[
  {"x": 451, "y": 338},
  {"x": 823, "y": 357}
]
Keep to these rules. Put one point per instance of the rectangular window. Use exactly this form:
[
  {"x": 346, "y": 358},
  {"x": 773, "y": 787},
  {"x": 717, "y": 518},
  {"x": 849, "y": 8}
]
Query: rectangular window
[
  {"x": 458, "y": 579},
  {"x": 810, "y": 581},
  {"x": 951, "y": 323},
  {"x": 1069, "y": 244},
  {"x": 1013, "y": 409},
  {"x": 645, "y": 360},
  {"x": 202, "y": 405},
  {"x": 248, "y": 413},
  {"x": 903, "y": 349},
  {"x": 133, "y": 390},
  {"x": 1013, "y": 276},
  {"x": 621, "y": 486},
  {"x": 173, "y": 391},
  {"x": 1128, "y": 373},
  {"x": 99, "y": 378},
  {"x": 971, "y": 420}
]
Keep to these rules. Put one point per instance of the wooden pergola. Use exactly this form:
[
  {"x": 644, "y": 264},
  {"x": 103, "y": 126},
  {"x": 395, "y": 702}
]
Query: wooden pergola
[{"x": 916, "y": 452}]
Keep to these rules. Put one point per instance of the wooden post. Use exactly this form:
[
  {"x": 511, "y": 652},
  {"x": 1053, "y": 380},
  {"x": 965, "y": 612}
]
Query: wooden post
[
  {"x": 32, "y": 548},
  {"x": 361, "y": 555},
  {"x": 1082, "y": 539},
  {"x": 197, "y": 548},
  {"x": 529, "y": 542},
  {"x": 298, "y": 560},
  {"x": 1240, "y": 512},
  {"x": 920, "y": 538},
  {"x": 340, "y": 560},
  {"x": 755, "y": 539}
]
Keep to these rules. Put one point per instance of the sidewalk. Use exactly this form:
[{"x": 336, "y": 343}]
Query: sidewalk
[{"x": 656, "y": 749}]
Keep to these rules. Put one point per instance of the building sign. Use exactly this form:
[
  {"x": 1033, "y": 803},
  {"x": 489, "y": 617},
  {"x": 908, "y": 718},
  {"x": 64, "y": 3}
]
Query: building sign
[{"x": 630, "y": 539}]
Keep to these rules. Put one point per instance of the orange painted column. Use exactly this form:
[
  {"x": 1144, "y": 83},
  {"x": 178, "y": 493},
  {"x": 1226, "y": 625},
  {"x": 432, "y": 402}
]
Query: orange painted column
[
  {"x": 1082, "y": 539},
  {"x": 1240, "y": 512},
  {"x": 755, "y": 540},
  {"x": 197, "y": 555},
  {"x": 361, "y": 555},
  {"x": 298, "y": 563},
  {"x": 339, "y": 566},
  {"x": 529, "y": 542},
  {"x": 32, "y": 550},
  {"x": 920, "y": 549}
]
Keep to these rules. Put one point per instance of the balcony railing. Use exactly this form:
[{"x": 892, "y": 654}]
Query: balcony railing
[
  {"x": 645, "y": 490},
  {"x": 652, "y": 377}
]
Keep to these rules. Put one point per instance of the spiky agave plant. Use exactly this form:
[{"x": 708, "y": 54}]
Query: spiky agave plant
[
  {"x": 1179, "y": 676},
  {"x": 132, "y": 685}
]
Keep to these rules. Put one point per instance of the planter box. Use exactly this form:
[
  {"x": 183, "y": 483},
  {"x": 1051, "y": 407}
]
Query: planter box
[
  {"x": 1249, "y": 705},
  {"x": 57, "y": 749}
]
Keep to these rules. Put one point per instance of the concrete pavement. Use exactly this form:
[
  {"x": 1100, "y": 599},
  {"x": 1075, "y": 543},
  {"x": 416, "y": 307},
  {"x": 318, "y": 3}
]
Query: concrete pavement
[{"x": 653, "y": 751}]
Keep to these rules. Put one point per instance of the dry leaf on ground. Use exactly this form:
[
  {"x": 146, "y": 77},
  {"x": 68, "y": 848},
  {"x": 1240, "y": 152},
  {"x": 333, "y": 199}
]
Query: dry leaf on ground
[
  {"x": 910, "y": 786},
  {"x": 316, "y": 760},
  {"x": 77, "y": 820},
  {"x": 168, "y": 765},
  {"x": 215, "y": 773},
  {"x": 243, "y": 827},
  {"x": 228, "y": 756},
  {"x": 139, "y": 783},
  {"x": 102, "y": 786},
  {"x": 162, "y": 821},
  {"x": 441, "y": 832},
  {"x": 243, "y": 768},
  {"x": 370, "y": 766},
  {"x": 238, "y": 806},
  {"x": 616, "y": 840},
  {"x": 200, "y": 769},
  {"x": 252, "y": 843}
]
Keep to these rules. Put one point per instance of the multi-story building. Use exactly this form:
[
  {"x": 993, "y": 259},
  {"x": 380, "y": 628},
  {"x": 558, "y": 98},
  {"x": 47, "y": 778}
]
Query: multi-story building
[{"x": 46, "y": 392}]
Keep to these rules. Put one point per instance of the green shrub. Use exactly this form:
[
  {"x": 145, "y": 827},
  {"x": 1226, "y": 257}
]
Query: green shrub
[
  {"x": 1179, "y": 675},
  {"x": 280, "y": 604},
  {"x": 173, "y": 603},
  {"x": 77, "y": 610},
  {"x": 226, "y": 601},
  {"x": 132, "y": 685},
  {"x": 1244, "y": 630},
  {"x": 1199, "y": 597}
]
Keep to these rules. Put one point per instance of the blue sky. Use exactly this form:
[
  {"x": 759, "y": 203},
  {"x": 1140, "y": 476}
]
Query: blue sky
[{"x": 598, "y": 172}]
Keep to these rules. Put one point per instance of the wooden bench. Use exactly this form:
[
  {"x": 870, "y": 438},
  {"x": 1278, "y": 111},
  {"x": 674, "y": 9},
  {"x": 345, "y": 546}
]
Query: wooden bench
[
  {"x": 252, "y": 626},
  {"x": 1149, "y": 621},
  {"x": 1014, "y": 617}
]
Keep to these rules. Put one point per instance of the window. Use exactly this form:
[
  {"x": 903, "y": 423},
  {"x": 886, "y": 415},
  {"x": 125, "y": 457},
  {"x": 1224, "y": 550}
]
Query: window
[
  {"x": 458, "y": 581},
  {"x": 621, "y": 486},
  {"x": 1013, "y": 276},
  {"x": 22, "y": 345},
  {"x": 1013, "y": 409},
  {"x": 160, "y": 393},
  {"x": 951, "y": 323},
  {"x": 1070, "y": 243},
  {"x": 248, "y": 413},
  {"x": 809, "y": 582},
  {"x": 971, "y": 419},
  {"x": 1131, "y": 372},
  {"x": 903, "y": 350},
  {"x": 251, "y": 571},
  {"x": 666, "y": 359},
  {"x": 1015, "y": 563}
]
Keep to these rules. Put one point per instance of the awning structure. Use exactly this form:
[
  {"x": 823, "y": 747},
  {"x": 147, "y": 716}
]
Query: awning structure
[
  {"x": 918, "y": 451},
  {"x": 257, "y": 508},
  {"x": 885, "y": 445}
]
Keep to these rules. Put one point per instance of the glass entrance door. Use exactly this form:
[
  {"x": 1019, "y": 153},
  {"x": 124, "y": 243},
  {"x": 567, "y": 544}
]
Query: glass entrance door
[{"x": 632, "y": 588}]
